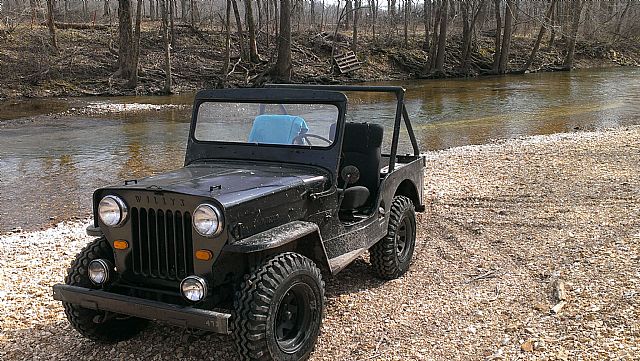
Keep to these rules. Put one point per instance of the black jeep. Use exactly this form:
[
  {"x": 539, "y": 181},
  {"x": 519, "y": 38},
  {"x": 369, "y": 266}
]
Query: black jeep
[{"x": 277, "y": 190}]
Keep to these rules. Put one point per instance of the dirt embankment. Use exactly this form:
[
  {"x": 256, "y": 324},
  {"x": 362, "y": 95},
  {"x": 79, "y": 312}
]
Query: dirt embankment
[
  {"x": 529, "y": 250},
  {"x": 87, "y": 59}
]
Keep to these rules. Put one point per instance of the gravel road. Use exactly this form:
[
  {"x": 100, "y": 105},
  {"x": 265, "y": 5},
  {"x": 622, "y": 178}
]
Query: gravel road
[{"x": 513, "y": 229}]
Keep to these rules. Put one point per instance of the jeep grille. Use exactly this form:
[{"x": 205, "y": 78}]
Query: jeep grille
[{"x": 162, "y": 244}]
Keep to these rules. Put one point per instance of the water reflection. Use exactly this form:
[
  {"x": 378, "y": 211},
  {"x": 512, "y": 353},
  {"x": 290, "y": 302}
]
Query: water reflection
[{"x": 50, "y": 166}]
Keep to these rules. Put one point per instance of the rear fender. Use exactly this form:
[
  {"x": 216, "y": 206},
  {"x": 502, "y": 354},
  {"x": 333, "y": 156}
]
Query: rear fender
[{"x": 297, "y": 236}]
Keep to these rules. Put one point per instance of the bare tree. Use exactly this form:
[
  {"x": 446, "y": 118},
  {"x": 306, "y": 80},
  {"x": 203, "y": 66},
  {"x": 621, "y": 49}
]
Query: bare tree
[
  {"x": 498, "y": 44},
  {"x": 576, "y": 10},
  {"x": 133, "y": 76},
  {"x": 227, "y": 40},
  {"x": 282, "y": 68},
  {"x": 470, "y": 12},
  {"x": 442, "y": 37},
  {"x": 125, "y": 38},
  {"x": 426, "y": 18},
  {"x": 152, "y": 11},
  {"x": 509, "y": 15},
  {"x": 165, "y": 4},
  {"x": 172, "y": 14},
  {"x": 251, "y": 27},
  {"x": 243, "y": 50},
  {"x": 543, "y": 27},
  {"x": 51, "y": 25},
  {"x": 356, "y": 13}
]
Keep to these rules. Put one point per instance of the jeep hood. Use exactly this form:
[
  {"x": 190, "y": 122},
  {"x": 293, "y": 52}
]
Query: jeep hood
[{"x": 232, "y": 183}]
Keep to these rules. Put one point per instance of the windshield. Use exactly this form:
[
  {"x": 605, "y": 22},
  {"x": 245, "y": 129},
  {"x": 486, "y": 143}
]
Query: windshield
[{"x": 284, "y": 124}]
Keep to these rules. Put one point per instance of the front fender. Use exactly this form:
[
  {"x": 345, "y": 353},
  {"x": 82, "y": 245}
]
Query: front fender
[{"x": 297, "y": 236}]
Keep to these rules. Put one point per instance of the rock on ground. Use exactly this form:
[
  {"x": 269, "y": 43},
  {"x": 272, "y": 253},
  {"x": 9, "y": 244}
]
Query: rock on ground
[{"x": 511, "y": 230}]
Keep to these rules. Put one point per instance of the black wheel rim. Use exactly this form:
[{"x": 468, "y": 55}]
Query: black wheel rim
[
  {"x": 403, "y": 234},
  {"x": 294, "y": 318}
]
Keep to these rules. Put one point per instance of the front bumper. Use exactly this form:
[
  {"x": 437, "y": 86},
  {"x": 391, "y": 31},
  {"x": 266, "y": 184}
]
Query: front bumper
[{"x": 187, "y": 317}]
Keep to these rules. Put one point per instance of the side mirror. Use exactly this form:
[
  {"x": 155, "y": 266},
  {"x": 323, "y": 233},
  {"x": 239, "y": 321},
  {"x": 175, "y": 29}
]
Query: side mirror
[{"x": 350, "y": 174}]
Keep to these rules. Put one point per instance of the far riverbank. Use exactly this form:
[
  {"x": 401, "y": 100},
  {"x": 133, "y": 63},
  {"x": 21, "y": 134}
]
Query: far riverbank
[{"x": 86, "y": 62}]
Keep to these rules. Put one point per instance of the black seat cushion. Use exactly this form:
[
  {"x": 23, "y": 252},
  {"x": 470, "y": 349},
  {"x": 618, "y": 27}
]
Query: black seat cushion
[
  {"x": 361, "y": 148},
  {"x": 354, "y": 197}
]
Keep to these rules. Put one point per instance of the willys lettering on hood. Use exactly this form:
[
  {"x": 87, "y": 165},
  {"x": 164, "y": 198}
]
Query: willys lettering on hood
[{"x": 229, "y": 183}]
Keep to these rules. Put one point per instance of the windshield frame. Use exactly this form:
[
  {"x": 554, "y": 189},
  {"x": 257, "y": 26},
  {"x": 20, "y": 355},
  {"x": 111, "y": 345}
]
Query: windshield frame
[{"x": 326, "y": 157}]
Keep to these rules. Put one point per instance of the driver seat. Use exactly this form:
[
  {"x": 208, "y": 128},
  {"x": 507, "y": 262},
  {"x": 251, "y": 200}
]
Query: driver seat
[
  {"x": 361, "y": 148},
  {"x": 276, "y": 128}
]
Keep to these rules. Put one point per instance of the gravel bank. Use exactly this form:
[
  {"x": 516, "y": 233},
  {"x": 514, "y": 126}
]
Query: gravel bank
[{"x": 513, "y": 229}]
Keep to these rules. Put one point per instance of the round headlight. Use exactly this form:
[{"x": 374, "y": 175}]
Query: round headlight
[
  {"x": 207, "y": 220},
  {"x": 112, "y": 211},
  {"x": 193, "y": 288},
  {"x": 99, "y": 270}
]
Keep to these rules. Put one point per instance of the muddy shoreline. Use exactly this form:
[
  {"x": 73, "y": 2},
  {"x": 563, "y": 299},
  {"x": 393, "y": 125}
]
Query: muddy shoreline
[{"x": 506, "y": 223}]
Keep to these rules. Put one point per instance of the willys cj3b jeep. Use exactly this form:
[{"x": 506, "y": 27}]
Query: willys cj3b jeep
[{"x": 237, "y": 241}]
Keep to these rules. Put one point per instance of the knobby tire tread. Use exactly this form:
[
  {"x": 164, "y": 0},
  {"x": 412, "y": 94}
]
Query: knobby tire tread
[
  {"x": 382, "y": 255},
  {"x": 253, "y": 301}
]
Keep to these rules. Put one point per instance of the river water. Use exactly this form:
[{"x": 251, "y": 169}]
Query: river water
[{"x": 55, "y": 152}]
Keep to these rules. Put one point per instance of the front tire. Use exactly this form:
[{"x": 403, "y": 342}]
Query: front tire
[
  {"x": 99, "y": 326},
  {"x": 391, "y": 256},
  {"x": 279, "y": 309}
]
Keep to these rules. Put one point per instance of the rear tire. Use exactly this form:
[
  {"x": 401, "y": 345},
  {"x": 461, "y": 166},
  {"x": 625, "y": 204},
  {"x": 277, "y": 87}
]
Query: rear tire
[
  {"x": 98, "y": 326},
  {"x": 391, "y": 256},
  {"x": 279, "y": 309}
]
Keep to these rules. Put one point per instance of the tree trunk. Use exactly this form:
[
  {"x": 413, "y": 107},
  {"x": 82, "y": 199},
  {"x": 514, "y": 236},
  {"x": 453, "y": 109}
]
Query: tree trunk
[
  {"x": 552, "y": 36},
  {"x": 172, "y": 14},
  {"x": 227, "y": 40},
  {"x": 536, "y": 46},
  {"x": 276, "y": 17},
  {"x": 425, "y": 18},
  {"x": 312, "y": 13},
  {"x": 125, "y": 54},
  {"x": 376, "y": 6},
  {"x": 51, "y": 25},
  {"x": 133, "y": 77},
  {"x": 282, "y": 68},
  {"x": 106, "y": 9},
  {"x": 620, "y": 20},
  {"x": 496, "y": 55},
  {"x": 466, "y": 31},
  {"x": 183, "y": 9},
  {"x": 442, "y": 38},
  {"x": 349, "y": 13},
  {"x": 472, "y": 19},
  {"x": 571, "y": 44},
  {"x": 509, "y": 12},
  {"x": 354, "y": 40},
  {"x": 407, "y": 7},
  {"x": 236, "y": 13},
  {"x": 433, "y": 50},
  {"x": 251, "y": 27},
  {"x": 152, "y": 11},
  {"x": 192, "y": 13},
  {"x": 166, "y": 5}
]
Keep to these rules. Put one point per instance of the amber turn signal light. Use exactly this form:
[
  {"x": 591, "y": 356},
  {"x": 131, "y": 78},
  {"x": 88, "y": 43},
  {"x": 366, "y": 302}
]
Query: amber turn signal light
[
  {"x": 120, "y": 244},
  {"x": 204, "y": 255}
]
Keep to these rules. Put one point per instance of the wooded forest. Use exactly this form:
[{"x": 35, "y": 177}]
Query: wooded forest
[{"x": 257, "y": 37}]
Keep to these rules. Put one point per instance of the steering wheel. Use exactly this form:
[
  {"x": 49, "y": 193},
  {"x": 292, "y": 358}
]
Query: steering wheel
[{"x": 305, "y": 137}]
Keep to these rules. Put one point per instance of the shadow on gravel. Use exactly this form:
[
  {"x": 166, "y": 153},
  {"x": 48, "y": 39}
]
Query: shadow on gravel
[{"x": 356, "y": 277}]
